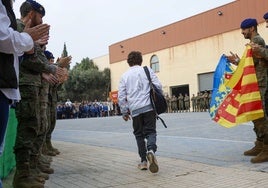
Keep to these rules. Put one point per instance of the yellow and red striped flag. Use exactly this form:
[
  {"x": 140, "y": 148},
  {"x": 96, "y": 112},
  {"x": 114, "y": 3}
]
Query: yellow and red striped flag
[{"x": 242, "y": 102}]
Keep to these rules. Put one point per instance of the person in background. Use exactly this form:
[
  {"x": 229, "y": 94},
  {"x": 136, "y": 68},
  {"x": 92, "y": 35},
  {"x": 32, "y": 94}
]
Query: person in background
[
  {"x": 134, "y": 101},
  {"x": 52, "y": 102}
]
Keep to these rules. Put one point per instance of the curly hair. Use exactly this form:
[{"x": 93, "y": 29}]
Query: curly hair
[{"x": 134, "y": 58}]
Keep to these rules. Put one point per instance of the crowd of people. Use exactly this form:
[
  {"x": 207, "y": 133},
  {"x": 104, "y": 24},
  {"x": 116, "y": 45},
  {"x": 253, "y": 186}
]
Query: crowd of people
[
  {"x": 86, "y": 109},
  {"x": 27, "y": 65},
  {"x": 38, "y": 78},
  {"x": 183, "y": 103},
  {"x": 89, "y": 109}
]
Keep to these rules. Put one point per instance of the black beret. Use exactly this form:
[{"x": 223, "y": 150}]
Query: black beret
[
  {"x": 247, "y": 23},
  {"x": 48, "y": 54},
  {"x": 265, "y": 16},
  {"x": 37, "y": 7}
]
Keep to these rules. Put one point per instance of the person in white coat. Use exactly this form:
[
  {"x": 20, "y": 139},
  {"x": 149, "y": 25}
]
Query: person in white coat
[{"x": 134, "y": 101}]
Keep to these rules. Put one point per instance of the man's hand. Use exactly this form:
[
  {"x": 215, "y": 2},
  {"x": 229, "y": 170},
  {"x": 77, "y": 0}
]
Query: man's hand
[
  {"x": 43, "y": 40},
  {"x": 36, "y": 32},
  {"x": 255, "y": 49},
  {"x": 233, "y": 58},
  {"x": 126, "y": 117},
  {"x": 64, "y": 61},
  {"x": 63, "y": 77},
  {"x": 50, "y": 78}
]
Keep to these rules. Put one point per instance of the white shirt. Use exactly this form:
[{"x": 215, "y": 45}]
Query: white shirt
[
  {"x": 134, "y": 90},
  {"x": 12, "y": 42}
]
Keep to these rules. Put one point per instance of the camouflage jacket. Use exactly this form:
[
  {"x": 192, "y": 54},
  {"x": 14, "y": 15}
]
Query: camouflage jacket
[
  {"x": 31, "y": 66},
  {"x": 261, "y": 70}
]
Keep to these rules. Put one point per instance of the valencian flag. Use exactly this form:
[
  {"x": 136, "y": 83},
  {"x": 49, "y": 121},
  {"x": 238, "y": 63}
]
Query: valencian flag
[{"x": 235, "y": 98}]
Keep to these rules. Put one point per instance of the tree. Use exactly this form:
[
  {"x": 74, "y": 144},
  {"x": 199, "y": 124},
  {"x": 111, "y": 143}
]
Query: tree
[
  {"x": 86, "y": 82},
  {"x": 64, "y": 52}
]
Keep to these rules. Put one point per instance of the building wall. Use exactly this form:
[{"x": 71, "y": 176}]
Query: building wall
[
  {"x": 181, "y": 64},
  {"x": 200, "y": 26},
  {"x": 192, "y": 46},
  {"x": 102, "y": 62}
]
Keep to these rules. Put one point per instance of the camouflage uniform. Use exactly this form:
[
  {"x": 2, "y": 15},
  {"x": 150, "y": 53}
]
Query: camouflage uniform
[
  {"x": 260, "y": 150},
  {"x": 180, "y": 102},
  {"x": 202, "y": 102},
  {"x": 28, "y": 109},
  {"x": 174, "y": 105},
  {"x": 168, "y": 99},
  {"x": 193, "y": 100},
  {"x": 206, "y": 103},
  {"x": 187, "y": 102},
  {"x": 198, "y": 101},
  {"x": 261, "y": 124},
  {"x": 44, "y": 90},
  {"x": 52, "y": 105}
]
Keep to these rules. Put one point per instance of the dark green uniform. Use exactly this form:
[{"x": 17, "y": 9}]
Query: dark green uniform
[
  {"x": 193, "y": 100},
  {"x": 28, "y": 109},
  {"x": 261, "y": 124},
  {"x": 187, "y": 102},
  {"x": 180, "y": 103}
]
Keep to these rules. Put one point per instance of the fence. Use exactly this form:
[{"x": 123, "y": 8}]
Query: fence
[{"x": 7, "y": 160}]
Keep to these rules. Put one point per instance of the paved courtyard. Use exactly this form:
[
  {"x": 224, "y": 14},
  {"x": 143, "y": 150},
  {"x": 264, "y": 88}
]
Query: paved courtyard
[{"x": 192, "y": 152}]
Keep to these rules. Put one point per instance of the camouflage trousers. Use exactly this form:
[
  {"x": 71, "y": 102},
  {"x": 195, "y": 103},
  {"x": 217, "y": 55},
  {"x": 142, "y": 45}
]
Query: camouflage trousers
[
  {"x": 28, "y": 116},
  {"x": 261, "y": 124},
  {"x": 52, "y": 116}
]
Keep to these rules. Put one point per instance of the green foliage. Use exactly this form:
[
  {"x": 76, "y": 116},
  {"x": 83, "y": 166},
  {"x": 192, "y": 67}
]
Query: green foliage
[
  {"x": 64, "y": 52},
  {"x": 86, "y": 82}
]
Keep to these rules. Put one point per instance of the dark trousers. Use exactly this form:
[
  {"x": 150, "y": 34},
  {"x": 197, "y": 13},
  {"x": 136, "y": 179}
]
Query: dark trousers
[
  {"x": 4, "y": 111},
  {"x": 144, "y": 126}
]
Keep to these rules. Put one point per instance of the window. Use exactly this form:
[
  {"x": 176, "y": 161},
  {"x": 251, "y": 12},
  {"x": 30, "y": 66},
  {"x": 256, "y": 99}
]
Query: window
[{"x": 154, "y": 63}]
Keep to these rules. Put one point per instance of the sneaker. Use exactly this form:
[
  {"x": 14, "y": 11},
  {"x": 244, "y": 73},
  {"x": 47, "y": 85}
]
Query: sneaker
[
  {"x": 153, "y": 166},
  {"x": 143, "y": 165}
]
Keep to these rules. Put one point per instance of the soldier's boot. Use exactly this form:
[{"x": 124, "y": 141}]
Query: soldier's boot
[
  {"x": 45, "y": 159},
  {"x": 255, "y": 150},
  {"x": 35, "y": 171},
  {"x": 45, "y": 168},
  {"x": 23, "y": 178},
  {"x": 51, "y": 148},
  {"x": 262, "y": 156},
  {"x": 44, "y": 149}
]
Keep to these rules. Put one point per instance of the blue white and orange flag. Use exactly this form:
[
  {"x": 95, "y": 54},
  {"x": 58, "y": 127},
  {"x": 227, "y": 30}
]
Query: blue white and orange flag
[{"x": 236, "y": 98}]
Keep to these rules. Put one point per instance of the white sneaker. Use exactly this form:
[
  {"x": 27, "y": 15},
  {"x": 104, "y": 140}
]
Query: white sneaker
[
  {"x": 153, "y": 166},
  {"x": 142, "y": 165}
]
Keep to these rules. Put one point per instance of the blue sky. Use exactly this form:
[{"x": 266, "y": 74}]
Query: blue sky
[{"x": 89, "y": 27}]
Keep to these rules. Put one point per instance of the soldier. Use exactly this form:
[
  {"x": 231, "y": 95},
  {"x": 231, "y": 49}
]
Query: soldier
[
  {"x": 168, "y": 99},
  {"x": 180, "y": 103},
  {"x": 193, "y": 100},
  {"x": 205, "y": 98},
  {"x": 260, "y": 150},
  {"x": 52, "y": 102},
  {"x": 198, "y": 101},
  {"x": 209, "y": 98},
  {"x": 174, "y": 104},
  {"x": 202, "y": 102},
  {"x": 187, "y": 102},
  {"x": 32, "y": 68}
]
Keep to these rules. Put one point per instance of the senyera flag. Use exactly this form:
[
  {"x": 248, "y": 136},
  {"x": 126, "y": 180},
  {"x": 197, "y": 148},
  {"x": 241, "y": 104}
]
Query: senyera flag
[{"x": 236, "y": 98}]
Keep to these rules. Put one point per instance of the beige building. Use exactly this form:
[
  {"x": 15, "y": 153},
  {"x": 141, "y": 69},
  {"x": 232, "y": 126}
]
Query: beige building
[
  {"x": 102, "y": 62},
  {"x": 184, "y": 54}
]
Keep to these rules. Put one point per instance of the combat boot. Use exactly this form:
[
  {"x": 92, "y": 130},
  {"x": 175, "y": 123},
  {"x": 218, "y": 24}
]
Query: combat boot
[
  {"x": 255, "y": 150},
  {"x": 51, "y": 148},
  {"x": 23, "y": 178},
  {"x": 36, "y": 171},
  {"x": 262, "y": 156},
  {"x": 45, "y": 168}
]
